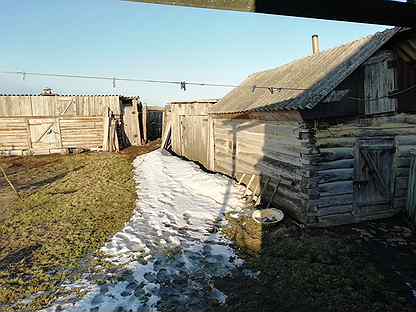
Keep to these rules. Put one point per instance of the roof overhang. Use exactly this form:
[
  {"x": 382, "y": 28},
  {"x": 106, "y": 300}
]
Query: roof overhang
[{"x": 381, "y": 12}]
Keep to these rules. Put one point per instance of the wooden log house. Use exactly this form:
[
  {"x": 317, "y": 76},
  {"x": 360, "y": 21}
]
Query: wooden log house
[{"x": 333, "y": 137}]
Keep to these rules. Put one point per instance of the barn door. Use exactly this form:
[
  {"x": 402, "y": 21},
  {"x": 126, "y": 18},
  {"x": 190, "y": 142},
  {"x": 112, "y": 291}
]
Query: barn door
[
  {"x": 44, "y": 133},
  {"x": 373, "y": 180},
  {"x": 379, "y": 80}
]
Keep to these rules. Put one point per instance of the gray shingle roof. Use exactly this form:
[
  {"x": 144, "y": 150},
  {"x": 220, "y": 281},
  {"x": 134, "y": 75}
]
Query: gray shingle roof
[{"x": 317, "y": 75}]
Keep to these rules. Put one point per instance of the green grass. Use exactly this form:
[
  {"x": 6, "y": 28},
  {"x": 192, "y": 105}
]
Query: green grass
[{"x": 49, "y": 237}]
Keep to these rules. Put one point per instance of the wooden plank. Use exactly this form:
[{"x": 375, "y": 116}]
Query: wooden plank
[
  {"x": 337, "y": 164},
  {"x": 134, "y": 119},
  {"x": 106, "y": 130},
  {"x": 28, "y": 136},
  {"x": 144, "y": 122},
  {"x": 336, "y": 210},
  {"x": 337, "y": 142},
  {"x": 333, "y": 154},
  {"x": 379, "y": 80},
  {"x": 336, "y": 188},
  {"x": 335, "y": 200},
  {"x": 211, "y": 150},
  {"x": 334, "y": 175}
]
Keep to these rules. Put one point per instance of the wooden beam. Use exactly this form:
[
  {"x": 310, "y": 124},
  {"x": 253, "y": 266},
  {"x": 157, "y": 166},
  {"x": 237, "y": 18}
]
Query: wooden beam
[
  {"x": 28, "y": 135},
  {"x": 135, "y": 118},
  {"x": 10, "y": 182},
  {"x": 106, "y": 123},
  {"x": 369, "y": 11},
  {"x": 144, "y": 121}
]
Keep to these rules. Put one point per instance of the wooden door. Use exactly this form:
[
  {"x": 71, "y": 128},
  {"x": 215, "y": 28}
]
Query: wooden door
[
  {"x": 44, "y": 133},
  {"x": 373, "y": 182},
  {"x": 131, "y": 124},
  {"x": 379, "y": 81}
]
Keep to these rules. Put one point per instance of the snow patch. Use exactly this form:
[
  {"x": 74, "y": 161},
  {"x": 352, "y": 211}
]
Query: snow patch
[{"x": 171, "y": 249}]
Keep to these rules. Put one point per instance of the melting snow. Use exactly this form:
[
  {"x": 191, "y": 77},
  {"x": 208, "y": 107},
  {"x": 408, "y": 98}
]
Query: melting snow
[{"x": 171, "y": 247}]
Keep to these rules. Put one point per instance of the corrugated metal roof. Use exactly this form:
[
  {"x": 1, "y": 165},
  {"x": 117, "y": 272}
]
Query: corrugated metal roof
[{"x": 317, "y": 75}]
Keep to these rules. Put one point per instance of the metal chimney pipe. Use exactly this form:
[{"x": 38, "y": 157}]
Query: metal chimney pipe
[{"x": 315, "y": 44}]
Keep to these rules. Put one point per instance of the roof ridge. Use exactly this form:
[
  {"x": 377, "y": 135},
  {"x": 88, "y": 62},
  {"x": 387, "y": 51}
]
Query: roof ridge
[{"x": 317, "y": 74}]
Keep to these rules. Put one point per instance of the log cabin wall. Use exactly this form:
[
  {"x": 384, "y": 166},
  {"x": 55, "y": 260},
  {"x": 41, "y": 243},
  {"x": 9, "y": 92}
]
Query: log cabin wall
[
  {"x": 345, "y": 193},
  {"x": 343, "y": 175},
  {"x": 279, "y": 150}
]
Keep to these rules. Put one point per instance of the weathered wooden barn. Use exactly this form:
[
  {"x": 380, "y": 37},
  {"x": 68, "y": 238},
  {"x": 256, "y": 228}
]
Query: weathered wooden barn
[
  {"x": 43, "y": 124},
  {"x": 332, "y": 138}
]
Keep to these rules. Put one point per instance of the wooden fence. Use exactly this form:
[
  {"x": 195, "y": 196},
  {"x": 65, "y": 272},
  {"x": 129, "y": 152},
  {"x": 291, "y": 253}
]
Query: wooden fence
[
  {"x": 32, "y": 124},
  {"x": 39, "y": 106},
  {"x": 44, "y": 135},
  {"x": 192, "y": 130},
  {"x": 56, "y": 124}
]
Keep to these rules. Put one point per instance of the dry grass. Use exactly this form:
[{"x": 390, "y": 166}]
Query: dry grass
[{"x": 72, "y": 205}]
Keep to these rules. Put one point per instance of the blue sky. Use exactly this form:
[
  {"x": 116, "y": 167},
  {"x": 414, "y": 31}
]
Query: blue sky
[{"x": 134, "y": 40}]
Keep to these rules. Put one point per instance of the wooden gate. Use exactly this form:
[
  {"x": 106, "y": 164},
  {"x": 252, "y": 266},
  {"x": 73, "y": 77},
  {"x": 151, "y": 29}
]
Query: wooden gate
[
  {"x": 44, "y": 133},
  {"x": 373, "y": 182}
]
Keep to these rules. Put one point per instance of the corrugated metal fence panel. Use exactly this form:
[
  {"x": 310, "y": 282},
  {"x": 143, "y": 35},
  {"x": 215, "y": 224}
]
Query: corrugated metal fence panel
[
  {"x": 411, "y": 197},
  {"x": 57, "y": 105}
]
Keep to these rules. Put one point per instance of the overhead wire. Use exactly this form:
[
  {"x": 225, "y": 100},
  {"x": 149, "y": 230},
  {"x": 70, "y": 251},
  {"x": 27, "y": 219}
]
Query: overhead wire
[{"x": 184, "y": 84}]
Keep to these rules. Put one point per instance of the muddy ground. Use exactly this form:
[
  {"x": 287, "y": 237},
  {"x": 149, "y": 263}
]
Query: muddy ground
[{"x": 361, "y": 267}]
